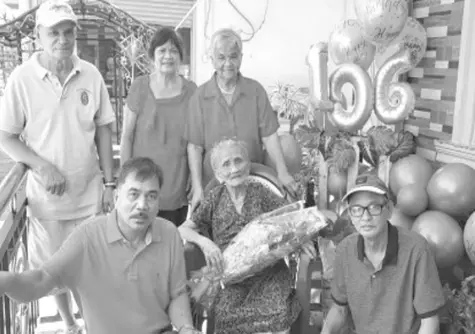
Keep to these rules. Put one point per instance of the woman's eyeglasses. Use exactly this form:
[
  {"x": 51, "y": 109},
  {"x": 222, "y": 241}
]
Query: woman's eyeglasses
[{"x": 373, "y": 209}]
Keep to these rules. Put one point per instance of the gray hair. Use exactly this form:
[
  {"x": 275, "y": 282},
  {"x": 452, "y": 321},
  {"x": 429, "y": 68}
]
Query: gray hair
[
  {"x": 224, "y": 145},
  {"x": 228, "y": 35}
]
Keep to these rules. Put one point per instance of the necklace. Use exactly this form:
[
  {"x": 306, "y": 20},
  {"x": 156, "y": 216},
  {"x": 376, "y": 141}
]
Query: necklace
[{"x": 225, "y": 91}]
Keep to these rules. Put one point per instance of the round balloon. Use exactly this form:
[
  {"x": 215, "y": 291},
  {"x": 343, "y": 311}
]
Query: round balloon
[
  {"x": 348, "y": 45},
  {"x": 412, "y": 199},
  {"x": 409, "y": 170},
  {"x": 444, "y": 236},
  {"x": 382, "y": 21},
  {"x": 400, "y": 219},
  {"x": 452, "y": 189},
  {"x": 469, "y": 238},
  {"x": 292, "y": 154},
  {"x": 413, "y": 38}
]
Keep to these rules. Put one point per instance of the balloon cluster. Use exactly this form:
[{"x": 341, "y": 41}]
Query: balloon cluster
[
  {"x": 382, "y": 33},
  {"x": 437, "y": 204}
]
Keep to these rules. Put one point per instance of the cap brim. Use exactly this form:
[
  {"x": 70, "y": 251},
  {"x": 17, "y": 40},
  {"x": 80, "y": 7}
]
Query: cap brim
[
  {"x": 369, "y": 189},
  {"x": 55, "y": 22}
]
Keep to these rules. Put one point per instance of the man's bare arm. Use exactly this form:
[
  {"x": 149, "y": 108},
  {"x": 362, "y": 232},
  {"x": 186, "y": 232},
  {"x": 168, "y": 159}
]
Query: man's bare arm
[
  {"x": 26, "y": 286},
  {"x": 18, "y": 151},
  {"x": 52, "y": 179}
]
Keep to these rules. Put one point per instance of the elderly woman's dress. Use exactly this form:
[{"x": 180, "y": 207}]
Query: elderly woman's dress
[
  {"x": 249, "y": 117},
  {"x": 264, "y": 302},
  {"x": 160, "y": 135}
]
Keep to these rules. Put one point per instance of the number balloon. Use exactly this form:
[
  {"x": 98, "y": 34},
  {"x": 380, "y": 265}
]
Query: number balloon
[
  {"x": 356, "y": 76},
  {"x": 394, "y": 100}
]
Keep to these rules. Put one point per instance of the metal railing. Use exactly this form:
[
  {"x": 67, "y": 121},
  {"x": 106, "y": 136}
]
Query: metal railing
[{"x": 15, "y": 318}]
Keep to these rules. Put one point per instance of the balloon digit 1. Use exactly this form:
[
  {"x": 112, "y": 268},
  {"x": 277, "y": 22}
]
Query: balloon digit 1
[
  {"x": 394, "y": 100},
  {"x": 360, "y": 80}
]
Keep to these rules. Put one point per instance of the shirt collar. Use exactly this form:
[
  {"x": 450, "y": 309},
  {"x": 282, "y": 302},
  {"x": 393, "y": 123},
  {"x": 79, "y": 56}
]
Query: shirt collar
[
  {"x": 392, "y": 247},
  {"x": 212, "y": 90},
  {"x": 43, "y": 72},
  {"x": 113, "y": 233}
]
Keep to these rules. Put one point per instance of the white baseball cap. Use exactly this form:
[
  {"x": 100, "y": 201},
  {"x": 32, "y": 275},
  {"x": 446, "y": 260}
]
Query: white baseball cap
[{"x": 52, "y": 12}]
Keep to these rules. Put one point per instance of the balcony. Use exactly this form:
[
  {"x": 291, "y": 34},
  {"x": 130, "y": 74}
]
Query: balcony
[{"x": 15, "y": 318}]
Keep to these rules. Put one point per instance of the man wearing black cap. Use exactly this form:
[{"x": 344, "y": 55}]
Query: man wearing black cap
[{"x": 385, "y": 277}]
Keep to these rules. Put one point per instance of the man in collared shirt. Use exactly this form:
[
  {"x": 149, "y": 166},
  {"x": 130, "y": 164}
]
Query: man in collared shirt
[
  {"x": 55, "y": 117},
  {"x": 385, "y": 277},
  {"x": 127, "y": 268}
]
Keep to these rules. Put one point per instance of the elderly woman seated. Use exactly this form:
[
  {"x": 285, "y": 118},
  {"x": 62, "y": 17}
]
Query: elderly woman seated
[{"x": 264, "y": 303}]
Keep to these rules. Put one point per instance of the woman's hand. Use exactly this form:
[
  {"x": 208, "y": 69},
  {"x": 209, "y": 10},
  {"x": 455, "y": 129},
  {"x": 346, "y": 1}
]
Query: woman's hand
[
  {"x": 310, "y": 250},
  {"x": 289, "y": 183},
  {"x": 196, "y": 198},
  {"x": 213, "y": 255}
]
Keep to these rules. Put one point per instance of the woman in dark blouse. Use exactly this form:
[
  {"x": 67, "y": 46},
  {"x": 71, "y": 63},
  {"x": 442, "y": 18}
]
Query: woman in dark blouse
[
  {"x": 266, "y": 302},
  {"x": 155, "y": 122}
]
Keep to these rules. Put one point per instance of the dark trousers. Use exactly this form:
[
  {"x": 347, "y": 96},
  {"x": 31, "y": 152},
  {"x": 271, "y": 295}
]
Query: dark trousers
[{"x": 177, "y": 216}]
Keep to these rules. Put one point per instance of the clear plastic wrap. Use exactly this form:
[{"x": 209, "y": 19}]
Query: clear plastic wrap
[{"x": 260, "y": 244}]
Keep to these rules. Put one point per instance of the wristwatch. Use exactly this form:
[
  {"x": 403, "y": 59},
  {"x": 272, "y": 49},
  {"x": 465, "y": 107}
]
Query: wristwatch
[{"x": 109, "y": 184}]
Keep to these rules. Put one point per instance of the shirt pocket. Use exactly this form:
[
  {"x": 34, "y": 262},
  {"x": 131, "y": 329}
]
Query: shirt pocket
[{"x": 85, "y": 109}]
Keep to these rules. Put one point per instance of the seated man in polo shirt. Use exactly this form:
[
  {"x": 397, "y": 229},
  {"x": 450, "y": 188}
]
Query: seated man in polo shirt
[
  {"x": 384, "y": 276},
  {"x": 127, "y": 269}
]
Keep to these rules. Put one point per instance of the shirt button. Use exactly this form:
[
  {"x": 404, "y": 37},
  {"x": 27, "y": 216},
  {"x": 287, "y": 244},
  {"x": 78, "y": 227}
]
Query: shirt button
[{"x": 373, "y": 276}]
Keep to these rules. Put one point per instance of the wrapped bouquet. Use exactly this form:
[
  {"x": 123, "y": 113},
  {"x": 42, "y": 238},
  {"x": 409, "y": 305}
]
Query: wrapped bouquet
[{"x": 260, "y": 244}]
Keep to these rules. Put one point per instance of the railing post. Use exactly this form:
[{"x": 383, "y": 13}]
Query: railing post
[{"x": 13, "y": 249}]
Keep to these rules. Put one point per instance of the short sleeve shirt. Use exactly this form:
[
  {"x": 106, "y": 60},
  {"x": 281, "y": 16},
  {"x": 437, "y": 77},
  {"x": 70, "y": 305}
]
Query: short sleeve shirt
[
  {"x": 395, "y": 298},
  {"x": 122, "y": 290},
  {"x": 59, "y": 124},
  {"x": 160, "y": 135},
  {"x": 249, "y": 118}
]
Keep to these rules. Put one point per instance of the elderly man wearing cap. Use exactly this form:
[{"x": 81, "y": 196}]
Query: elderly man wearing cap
[
  {"x": 385, "y": 277},
  {"x": 55, "y": 117}
]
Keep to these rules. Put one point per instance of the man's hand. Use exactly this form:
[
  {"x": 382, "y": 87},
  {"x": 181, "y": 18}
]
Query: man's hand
[
  {"x": 52, "y": 179},
  {"x": 289, "y": 183},
  {"x": 108, "y": 200}
]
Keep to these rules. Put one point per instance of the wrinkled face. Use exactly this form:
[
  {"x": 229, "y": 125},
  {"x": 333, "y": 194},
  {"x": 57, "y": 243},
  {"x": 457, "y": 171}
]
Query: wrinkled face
[
  {"x": 369, "y": 213},
  {"x": 227, "y": 60},
  {"x": 138, "y": 201},
  {"x": 167, "y": 58},
  {"x": 231, "y": 165},
  {"x": 59, "y": 40}
]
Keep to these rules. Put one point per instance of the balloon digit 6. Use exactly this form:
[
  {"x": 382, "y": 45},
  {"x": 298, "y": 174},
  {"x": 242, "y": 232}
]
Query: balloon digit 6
[{"x": 394, "y": 100}]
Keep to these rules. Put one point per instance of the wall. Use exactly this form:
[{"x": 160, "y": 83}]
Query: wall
[
  {"x": 277, "y": 52},
  {"x": 435, "y": 79}
]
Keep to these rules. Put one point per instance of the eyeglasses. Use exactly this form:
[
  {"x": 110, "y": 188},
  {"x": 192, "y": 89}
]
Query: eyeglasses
[{"x": 373, "y": 209}]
